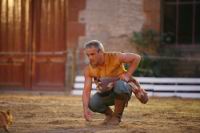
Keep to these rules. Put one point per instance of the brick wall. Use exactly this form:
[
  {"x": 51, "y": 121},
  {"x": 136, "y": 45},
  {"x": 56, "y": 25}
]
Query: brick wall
[
  {"x": 112, "y": 22},
  {"x": 152, "y": 14},
  {"x": 75, "y": 29}
]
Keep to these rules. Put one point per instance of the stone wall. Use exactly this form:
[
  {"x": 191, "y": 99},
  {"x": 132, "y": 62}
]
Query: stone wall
[{"x": 112, "y": 22}]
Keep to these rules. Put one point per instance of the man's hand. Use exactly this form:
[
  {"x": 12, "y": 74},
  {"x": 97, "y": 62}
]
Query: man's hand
[
  {"x": 125, "y": 76},
  {"x": 87, "y": 115}
]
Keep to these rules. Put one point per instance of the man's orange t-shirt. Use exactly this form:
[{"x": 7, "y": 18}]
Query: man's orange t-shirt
[{"x": 112, "y": 67}]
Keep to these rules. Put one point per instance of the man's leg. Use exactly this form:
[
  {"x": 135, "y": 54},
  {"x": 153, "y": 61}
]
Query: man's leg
[
  {"x": 122, "y": 95},
  {"x": 101, "y": 105},
  {"x": 108, "y": 115}
]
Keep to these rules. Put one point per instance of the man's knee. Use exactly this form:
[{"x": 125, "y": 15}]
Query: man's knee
[
  {"x": 121, "y": 87},
  {"x": 96, "y": 104}
]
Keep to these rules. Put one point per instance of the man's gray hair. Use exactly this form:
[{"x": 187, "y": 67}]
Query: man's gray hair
[{"x": 94, "y": 44}]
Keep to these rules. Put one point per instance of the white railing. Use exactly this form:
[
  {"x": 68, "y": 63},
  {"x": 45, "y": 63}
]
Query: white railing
[{"x": 163, "y": 87}]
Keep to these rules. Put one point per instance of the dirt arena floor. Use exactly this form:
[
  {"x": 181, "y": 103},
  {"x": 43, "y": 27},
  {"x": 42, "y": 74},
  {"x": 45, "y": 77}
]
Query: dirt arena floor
[{"x": 63, "y": 114}]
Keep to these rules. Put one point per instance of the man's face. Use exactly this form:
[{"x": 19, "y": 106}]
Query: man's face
[{"x": 93, "y": 55}]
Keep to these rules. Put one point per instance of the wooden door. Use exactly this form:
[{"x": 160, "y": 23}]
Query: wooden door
[
  {"x": 33, "y": 44},
  {"x": 49, "y": 44},
  {"x": 14, "y": 44}
]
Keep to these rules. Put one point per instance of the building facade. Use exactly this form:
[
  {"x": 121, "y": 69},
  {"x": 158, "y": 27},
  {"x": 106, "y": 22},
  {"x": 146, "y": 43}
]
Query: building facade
[{"x": 41, "y": 41}]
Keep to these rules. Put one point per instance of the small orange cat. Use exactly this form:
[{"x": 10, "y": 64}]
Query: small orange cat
[{"x": 6, "y": 119}]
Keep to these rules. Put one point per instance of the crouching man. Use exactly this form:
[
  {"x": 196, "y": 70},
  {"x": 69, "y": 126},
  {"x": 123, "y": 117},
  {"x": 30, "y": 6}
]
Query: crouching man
[{"x": 114, "y": 84}]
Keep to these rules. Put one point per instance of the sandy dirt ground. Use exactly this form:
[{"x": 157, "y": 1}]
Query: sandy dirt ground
[{"x": 63, "y": 114}]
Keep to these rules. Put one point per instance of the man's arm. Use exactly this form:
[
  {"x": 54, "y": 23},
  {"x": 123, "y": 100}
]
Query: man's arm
[
  {"x": 133, "y": 60},
  {"x": 86, "y": 94}
]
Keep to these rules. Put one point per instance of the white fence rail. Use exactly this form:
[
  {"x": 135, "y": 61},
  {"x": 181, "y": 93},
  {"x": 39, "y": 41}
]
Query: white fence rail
[{"x": 163, "y": 87}]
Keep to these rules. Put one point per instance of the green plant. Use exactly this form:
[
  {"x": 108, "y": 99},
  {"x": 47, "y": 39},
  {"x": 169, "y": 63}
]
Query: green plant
[
  {"x": 156, "y": 67},
  {"x": 147, "y": 41}
]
